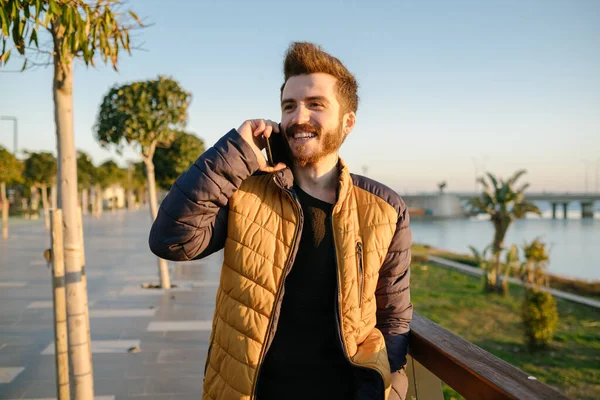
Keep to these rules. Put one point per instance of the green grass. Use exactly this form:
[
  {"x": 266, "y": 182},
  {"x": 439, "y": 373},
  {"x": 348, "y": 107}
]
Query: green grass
[{"x": 457, "y": 302}]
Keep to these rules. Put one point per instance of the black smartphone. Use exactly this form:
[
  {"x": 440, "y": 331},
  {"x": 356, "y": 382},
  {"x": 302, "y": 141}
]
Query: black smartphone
[{"x": 276, "y": 148}]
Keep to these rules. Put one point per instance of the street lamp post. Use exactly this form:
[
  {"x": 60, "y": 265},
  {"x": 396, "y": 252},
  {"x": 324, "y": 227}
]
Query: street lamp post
[
  {"x": 15, "y": 130},
  {"x": 598, "y": 175},
  {"x": 587, "y": 163}
]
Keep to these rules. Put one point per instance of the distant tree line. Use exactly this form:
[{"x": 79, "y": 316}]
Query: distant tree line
[{"x": 29, "y": 184}]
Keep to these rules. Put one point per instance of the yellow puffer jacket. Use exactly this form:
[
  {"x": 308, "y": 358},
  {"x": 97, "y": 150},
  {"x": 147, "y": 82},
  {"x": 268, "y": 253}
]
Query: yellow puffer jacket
[{"x": 258, "y": 221}]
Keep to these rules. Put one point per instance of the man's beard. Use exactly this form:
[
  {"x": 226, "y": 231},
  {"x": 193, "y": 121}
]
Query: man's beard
[{"x": 328, "y": 143}]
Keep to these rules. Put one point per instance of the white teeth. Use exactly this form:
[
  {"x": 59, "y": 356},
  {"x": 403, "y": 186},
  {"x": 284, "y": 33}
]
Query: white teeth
[{"x": 303, "y": 135}]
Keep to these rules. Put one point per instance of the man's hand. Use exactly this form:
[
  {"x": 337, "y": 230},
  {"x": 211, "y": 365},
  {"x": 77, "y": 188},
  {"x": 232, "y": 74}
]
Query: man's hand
[{"x": 255, "y": 132}]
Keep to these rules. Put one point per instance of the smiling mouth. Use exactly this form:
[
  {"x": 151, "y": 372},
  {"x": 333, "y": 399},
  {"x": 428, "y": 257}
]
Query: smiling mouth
[{"x": 301, "y": 136}]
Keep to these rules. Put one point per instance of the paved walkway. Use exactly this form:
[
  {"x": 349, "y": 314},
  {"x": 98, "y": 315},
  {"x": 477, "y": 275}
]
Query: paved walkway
[
  {"x": 479, "y": 272},
  {"x": 172, "y": 328}
]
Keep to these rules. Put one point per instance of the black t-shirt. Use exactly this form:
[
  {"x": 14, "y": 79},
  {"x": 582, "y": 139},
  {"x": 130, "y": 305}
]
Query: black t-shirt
[{"x": 305, "y": 360}]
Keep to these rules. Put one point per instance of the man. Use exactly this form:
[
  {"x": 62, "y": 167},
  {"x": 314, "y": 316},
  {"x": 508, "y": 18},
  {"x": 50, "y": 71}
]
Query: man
[{"x": 314, "y": 300}]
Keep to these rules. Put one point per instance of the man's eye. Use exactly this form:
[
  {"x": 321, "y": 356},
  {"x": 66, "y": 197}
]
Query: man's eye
[
  {"x": 316, "y": 105},
  {"x": 287, "y": 107}
]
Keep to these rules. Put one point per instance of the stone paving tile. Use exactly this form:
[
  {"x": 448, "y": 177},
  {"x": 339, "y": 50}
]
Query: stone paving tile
[
  {"x": 173, "y": 370},
  {"x": 14, "y": 390},
  {"x": 102, "y": 346},
  {"x": 129, "y": 312},
  {"x": 12, "y": 284},
  {"x": 41, "y": 304},
  {"x": 48, "y": 304},
  {"x": 138, "y": 291},
  {"x": 170, "y": 385},
  {"x": 170, "y": 356},
  {"x": 163, "y": 326},
  {"x": 120, "y": 388},
  {"x": 7, "y": 374}
]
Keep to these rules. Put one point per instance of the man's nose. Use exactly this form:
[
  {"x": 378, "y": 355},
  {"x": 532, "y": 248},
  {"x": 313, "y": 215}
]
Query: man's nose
[{"x": 301, "y": 116}]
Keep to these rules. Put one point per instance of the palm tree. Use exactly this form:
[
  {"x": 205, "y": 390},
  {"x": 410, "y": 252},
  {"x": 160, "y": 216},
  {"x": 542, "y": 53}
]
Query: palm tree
[{"x": 504, "y": 204}]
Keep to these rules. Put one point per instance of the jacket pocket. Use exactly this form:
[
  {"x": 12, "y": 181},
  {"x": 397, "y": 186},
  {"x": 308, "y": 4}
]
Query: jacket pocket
[{"x": 360, "y": 271}]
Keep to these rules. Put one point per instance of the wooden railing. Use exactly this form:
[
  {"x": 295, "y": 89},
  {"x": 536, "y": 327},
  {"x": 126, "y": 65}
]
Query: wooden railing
[{"x": 439, "y": 355}]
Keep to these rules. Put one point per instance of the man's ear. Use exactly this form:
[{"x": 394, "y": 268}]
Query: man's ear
[{"x": 349, "y": 122}]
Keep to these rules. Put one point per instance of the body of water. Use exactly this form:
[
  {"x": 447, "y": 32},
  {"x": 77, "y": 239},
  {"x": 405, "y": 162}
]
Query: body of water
[{"x": 574, "y": 243}]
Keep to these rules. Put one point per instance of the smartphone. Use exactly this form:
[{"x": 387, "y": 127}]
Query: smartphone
[{"x": 276, "y": 148}]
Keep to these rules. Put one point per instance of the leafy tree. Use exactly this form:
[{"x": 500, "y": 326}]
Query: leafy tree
[
  {"x": 109, "y": 174},
  {"x": 146, "y": 115},
  {"x": 10, "y": 173},
  {"x": 40, "y": 172},
  {"x": 86, "y": 171},
  {"x": 170, "y": 162},
  {"x": 81, "y": 30},
  {"x": 504, "y": 204}
]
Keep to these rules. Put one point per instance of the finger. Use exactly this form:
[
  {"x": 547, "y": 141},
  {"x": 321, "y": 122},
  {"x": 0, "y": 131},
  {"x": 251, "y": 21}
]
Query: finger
[
  {"x": 276, "y": 168},
  {"x": 267, "y": 131},
  {"x": 274, "y": 125},
  {"x": 260, "y": 127}
]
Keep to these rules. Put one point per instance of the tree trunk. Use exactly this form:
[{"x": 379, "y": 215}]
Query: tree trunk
[
  {"x": 44, "y": 190},
  {"x": 163, "y": 270},
  {"x": 112, "y": 199},
  {"x": 35, "y": 203},
  {"x": 130, "y": 200},
  {"x": 79, "y": 345},
  {"x": 61, "y": 345},
  {"x": 5, "y": 207},
  {"x": 25, "y": 207},
  {"x": 501, "y": 225},
  {"x": 84, "y": 201},
  {"x": 99, "y": 201},
  {"x": 54, "y": 196},
  {"x": 140, "y": 192}
]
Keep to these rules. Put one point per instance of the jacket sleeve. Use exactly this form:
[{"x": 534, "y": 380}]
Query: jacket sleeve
[
  {"x": 192, "y": 219},
  {"x": 394, "y": 309}
]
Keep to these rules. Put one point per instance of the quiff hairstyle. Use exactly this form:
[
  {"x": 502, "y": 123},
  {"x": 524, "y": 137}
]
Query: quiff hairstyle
[{"x": 307, "y": 58}]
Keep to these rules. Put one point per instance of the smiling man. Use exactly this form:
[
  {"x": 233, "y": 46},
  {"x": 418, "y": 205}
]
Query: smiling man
[{"x": 314, "y": 299}]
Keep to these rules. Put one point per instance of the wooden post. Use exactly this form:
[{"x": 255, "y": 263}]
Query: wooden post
[
  {"x": 46, "y": 206},
  {"x": 5, "y": 206},
  {"x": 61, "y": 348},
  {"x": 422, "y": 384},
  {"x": 84, "y": 281},
  {"x": 54, "y": 196}
]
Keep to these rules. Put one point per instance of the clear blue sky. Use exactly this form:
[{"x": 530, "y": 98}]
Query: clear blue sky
[{"x": 444, "y": 85}]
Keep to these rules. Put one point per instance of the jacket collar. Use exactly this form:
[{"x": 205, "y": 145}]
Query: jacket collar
[{"x": 285, "y": 179}]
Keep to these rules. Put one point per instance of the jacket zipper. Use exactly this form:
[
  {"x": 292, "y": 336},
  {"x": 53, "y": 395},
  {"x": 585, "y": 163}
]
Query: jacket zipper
[
  {"x": 338, "y": 310},
  {"x": 207, "y": 357},
  {"x": 287, "y": 268},
  {"x": 359, "y": 256}
]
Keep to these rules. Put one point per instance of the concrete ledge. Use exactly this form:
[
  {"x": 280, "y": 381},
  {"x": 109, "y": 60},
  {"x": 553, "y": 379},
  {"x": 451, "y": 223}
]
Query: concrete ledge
[{"x": 479, "y": 272}]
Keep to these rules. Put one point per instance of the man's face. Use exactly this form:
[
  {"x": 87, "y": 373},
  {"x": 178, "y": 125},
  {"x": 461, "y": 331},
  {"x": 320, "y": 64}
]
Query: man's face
[{"x": 310, "y": 117}]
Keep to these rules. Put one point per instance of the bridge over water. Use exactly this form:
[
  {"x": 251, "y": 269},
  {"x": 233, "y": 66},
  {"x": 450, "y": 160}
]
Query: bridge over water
[{"x": 447, "y": 204}]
